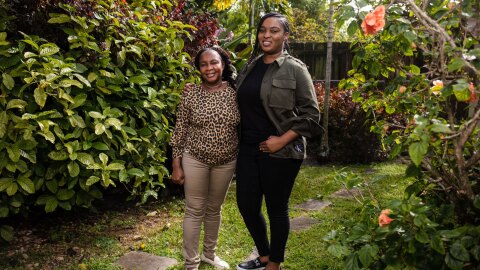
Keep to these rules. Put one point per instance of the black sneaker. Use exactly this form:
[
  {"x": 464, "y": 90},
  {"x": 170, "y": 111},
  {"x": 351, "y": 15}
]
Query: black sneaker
[{"x": 255, "y": 264}]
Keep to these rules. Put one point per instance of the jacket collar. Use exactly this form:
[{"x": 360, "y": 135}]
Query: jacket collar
[{"x": 280, "y": 60}]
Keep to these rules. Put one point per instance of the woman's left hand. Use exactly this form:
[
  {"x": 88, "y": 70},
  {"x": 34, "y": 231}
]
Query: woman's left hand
[{"x": 272, "y": 144}]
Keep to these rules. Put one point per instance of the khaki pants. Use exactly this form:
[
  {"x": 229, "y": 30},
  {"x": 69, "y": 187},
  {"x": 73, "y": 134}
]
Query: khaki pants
[{"x": 205, "y": 191}]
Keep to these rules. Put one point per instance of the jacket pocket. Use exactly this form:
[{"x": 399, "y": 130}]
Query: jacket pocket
[{"x": 283, "y": 94}]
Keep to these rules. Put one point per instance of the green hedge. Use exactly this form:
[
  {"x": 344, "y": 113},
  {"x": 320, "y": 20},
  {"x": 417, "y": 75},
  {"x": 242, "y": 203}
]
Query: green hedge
[{"x": 98, "y": 115}]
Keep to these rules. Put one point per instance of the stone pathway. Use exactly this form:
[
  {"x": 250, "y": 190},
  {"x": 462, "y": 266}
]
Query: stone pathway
[
  {"x": 137, "y": 260},
  {"x": 344, "y": 193}
]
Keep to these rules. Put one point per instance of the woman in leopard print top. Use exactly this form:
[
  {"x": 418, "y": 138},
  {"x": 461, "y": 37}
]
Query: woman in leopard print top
[{"x": 205, "y": 146}]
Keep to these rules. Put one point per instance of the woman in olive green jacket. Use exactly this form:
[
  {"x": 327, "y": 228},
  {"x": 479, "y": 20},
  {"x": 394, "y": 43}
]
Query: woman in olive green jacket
[{"x": 278, "y": 109}]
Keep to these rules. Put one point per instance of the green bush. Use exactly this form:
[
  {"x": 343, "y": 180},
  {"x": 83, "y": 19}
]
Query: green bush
[
  {"x": 436, "y": 225},
  {"x": 97, "y": 115}
]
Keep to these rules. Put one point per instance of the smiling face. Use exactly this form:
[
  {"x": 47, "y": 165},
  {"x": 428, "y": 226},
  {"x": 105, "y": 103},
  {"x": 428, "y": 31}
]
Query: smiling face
[
  {"x": 211, "y": 67},
  {"x": 271, "y": 36}
]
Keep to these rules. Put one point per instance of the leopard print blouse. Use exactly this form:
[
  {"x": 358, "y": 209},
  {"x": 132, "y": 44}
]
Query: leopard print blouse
[{"x": 206, "y": 125}]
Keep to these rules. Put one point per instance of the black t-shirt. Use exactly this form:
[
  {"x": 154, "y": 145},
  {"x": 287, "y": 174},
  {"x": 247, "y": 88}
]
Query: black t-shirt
[{"x": 255, "y": 125}]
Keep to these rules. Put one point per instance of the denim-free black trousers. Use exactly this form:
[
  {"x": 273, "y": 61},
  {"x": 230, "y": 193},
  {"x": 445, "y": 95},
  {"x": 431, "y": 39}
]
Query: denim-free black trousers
[{"x": 261, "y": 176}]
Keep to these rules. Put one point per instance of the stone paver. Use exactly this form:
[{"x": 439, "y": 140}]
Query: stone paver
[
  {"x": 343, "y": 193},
  {"x": 302, "y": 223},
  {"x": 313, "y": 205},
  {"x": 137, "y": 260}
]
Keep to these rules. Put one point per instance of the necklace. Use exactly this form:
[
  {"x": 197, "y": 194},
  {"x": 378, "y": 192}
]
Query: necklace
[{"x": 213, "y": 88}]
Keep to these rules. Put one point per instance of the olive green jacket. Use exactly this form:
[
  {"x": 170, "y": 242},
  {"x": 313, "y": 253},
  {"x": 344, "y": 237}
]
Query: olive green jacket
[{"x": 289, "y": 100}]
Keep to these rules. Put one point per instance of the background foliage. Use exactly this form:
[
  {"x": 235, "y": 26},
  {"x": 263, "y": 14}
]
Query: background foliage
[
  {"x": 87, "y": 98},
  {"x": 424, "y": 65}
]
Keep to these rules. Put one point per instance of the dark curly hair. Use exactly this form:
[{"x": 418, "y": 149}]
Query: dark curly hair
[
  {"x": 229, "y": 72},
  {"x": 286, "y": 27}
]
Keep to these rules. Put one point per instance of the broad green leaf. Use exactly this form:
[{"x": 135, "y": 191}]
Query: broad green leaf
[
  {"x": 26, "y": 184},
  {"x": 52, "y": 185},
  {"x": 3, "y": 211},
  {"x": 417, "y": 151},
  {"x": 351, "y": 262},
  {"x": 59, "y": 18},
  {"x": 100, "y": 146},
  {"x": 85, "y": 158},
  {"x": 82, "y": 79},
  {"x": 99, "y": 128},
  {"x": 48, "y": 49},
  {"x": 65, "y": 205},
  {"x": 140, "y": 79},
  {"x": 115, "y": 166},
  {"x": 77, "y": 121},
  {"x": 366, "y": 255},
  {"x": 455, "y": 64},
  {"x": 16, "y": 103},
  {"x": 73, "y": 168},
  {"x": 29, "y": 55},
  {"x": 453, "y": 263},
  {"x": 414, "y": 69},
  {"x": 3, "y": 123},
  {"x": 441, "y": 128},
  {"x": 422, "y": 237},
  {"x": 121, "y": 56},
  {"x": 461, "y": 91},
  {"x": 103, "y": 158},
  {"x": 8, "y": 81},
  {"x": 5, "y": 183},
  {"x": 337, "y": 250},
  {"x": 114, "y": 122},
  {"x": 437, "y": 244},
  {"x": 65, "y": 194},
  {"x": 6, "y": 232},
  {"x": 92, "y": 180},
  {"x": 136, "y": 172},
  {"x": 51, "y": 204},
  {"x": 58, "y": 155},
  {"x": 40, "y": 96},
  {"x": 459, "y": 252},
  {"x": 69, "y": 82},
  {"x": 135, "y": 49},
  {"x": 95, "y": 115},
  {"x": 92, "y": 76},
  {"x": 12, "y": 188},
  {"x": 13, "y": 153}
]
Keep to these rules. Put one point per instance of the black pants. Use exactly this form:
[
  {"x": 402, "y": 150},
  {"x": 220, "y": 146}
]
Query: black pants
[{"x": 260, "y": 175}]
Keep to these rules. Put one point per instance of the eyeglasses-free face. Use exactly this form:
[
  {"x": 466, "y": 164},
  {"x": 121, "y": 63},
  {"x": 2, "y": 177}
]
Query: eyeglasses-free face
[
  {"x": 211, "y": 67},
  {"x": 271, "y": 36}
]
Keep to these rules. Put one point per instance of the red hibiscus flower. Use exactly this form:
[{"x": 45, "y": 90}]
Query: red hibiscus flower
[{"x": 473, "y": 93}]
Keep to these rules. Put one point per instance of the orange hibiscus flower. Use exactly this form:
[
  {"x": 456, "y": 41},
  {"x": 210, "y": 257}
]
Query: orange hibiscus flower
[
  {"x": 384, "y": 219},
  {"x": 374, "y": 21}
]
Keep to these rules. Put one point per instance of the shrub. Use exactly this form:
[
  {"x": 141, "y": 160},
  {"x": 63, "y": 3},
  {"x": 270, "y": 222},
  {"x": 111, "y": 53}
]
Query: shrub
[
  {"x": 96, "y": 114},
  {"x": 436, "y": 224},
  {"x": 349, "y": 136}
]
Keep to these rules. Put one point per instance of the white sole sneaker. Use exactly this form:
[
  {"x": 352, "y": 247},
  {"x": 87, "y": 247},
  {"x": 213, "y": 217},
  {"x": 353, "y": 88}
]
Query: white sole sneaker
[{"x": 216, "y": 262}]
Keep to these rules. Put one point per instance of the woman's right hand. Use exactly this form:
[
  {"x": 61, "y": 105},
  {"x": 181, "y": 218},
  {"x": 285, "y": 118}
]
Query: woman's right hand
[
  {"x": 178, "y": 177},
  {"x": 188, "y": 87}
]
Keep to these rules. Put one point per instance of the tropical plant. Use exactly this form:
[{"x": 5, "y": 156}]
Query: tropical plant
[
  {"x": 78, "y": 120},
  {"x": 423, "y": 65}
]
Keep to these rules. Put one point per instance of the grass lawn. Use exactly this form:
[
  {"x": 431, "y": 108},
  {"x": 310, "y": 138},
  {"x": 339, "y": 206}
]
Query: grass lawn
[{"x": 97, "y": 240}]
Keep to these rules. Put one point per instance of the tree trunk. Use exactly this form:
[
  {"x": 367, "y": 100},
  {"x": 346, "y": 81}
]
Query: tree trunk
[
  {"x": 324, "y": 148},
  {"x": 251, "y": 22}
]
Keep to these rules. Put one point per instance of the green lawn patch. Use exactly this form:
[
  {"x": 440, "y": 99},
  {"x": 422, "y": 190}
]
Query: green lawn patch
[{"x": 96, "y": 241}]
